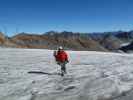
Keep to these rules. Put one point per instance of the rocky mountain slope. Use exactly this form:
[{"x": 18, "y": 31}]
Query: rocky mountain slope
[{"x": 69, "y": 40}]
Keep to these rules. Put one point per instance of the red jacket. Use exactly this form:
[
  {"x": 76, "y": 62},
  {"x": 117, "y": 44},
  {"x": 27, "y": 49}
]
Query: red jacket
[{"x": 61, "y": 56}]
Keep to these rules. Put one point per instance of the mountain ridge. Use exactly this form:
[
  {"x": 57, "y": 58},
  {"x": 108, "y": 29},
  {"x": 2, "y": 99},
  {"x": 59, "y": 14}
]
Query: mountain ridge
[{"x": 106, "y": 41}]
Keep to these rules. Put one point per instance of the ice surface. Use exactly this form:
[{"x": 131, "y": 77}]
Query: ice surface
[{"x": 91, "y": 75}]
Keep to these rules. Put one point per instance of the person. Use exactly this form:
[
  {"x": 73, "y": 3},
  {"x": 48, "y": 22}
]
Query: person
[{"x": 61, "y": 58}]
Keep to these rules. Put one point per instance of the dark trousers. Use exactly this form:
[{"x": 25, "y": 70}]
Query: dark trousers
[{"x": 63, "y": 67}]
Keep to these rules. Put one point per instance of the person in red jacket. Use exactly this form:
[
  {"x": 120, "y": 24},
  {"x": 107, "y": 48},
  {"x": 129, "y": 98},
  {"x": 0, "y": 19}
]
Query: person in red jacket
[{"x": 61, "y": 58}]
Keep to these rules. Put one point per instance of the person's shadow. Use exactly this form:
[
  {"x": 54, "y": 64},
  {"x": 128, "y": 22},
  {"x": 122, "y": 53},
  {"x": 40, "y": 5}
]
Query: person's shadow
[{"x": 40, "y": 72}]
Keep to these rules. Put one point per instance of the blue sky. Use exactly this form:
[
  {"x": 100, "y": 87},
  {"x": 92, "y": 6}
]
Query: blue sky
[{"x": 39, "y": 16}]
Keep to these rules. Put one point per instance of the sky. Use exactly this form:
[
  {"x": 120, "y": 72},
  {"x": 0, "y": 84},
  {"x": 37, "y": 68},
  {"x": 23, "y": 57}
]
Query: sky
[{"x": 39, "y": 16}]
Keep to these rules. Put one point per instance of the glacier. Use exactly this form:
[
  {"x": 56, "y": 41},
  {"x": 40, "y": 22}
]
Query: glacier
[{"x": 91, "y": 75}]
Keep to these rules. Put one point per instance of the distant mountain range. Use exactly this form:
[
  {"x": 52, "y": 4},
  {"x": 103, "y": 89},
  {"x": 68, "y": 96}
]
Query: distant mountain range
[{"x": 107, "y": 41}]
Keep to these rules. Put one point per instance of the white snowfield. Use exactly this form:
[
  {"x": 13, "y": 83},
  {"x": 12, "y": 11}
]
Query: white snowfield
[{"x": 91, "y": 75}]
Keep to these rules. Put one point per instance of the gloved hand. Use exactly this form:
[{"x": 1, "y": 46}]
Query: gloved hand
[
  {"x": 67, "y": 61},
  {"x": 58, "y": 63},
  {"x": 54, "y": 53}
]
